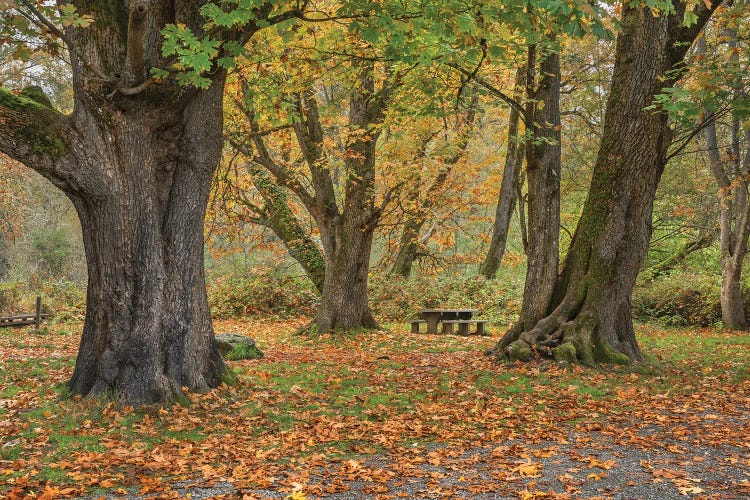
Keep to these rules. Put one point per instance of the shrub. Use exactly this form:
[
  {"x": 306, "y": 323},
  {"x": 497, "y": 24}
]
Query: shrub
[
  {"x": 680, "y": 299},
  {"x": 64, "y": 299},
  {"x": 397, "y": 299},
  {"x": 263, "y": 294},
  {"x": 51, "y": 251}
]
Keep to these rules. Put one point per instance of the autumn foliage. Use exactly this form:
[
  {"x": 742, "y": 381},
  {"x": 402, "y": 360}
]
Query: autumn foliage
[{"x": 390, "y": 414}]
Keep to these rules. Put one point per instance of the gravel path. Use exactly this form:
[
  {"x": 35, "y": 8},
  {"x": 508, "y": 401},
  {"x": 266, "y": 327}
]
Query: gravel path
[{"x": 586, "y": 466}]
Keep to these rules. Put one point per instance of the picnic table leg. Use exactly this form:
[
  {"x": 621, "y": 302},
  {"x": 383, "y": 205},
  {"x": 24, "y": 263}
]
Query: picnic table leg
[
  {"x": 463, "y": 329},
  {"x": 480, "y": 328},
  {"x": 415, "y": 328},
  {"x": 447, "y": 328}
]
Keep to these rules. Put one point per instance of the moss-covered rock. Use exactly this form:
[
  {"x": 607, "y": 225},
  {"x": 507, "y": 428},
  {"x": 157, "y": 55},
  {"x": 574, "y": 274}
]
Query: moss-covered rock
[{"x": 234, "y": 347}]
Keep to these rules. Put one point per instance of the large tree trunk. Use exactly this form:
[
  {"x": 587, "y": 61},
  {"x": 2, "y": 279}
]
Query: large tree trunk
[
  {"x": 589, "y": 316},
  {"x": 136, "y": 160},
  {"x": 506, "y": 202},
  {"x": 344, "y": 304},
  {"x": 148, "y": 328}
]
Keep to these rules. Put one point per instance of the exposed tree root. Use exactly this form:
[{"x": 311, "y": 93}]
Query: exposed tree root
[{"x": 566, "y": 339}]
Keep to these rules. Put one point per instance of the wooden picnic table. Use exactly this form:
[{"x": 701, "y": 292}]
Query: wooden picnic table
[{"x": 434, "y": 316}]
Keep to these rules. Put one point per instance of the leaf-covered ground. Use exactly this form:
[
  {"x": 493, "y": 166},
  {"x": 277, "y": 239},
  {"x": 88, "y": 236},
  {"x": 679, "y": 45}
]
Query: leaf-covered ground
[{"x": 388, "y": 415}]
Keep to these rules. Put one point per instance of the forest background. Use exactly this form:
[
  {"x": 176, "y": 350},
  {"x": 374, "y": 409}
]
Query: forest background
[{"x": 440, "y": 164}]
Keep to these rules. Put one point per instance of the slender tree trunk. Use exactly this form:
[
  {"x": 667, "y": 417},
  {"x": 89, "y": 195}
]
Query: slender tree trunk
[
  {"x": 543, "y": 155},
  {"x": 506, "y": 202},
  {"x": 734, "y": 220},
  {"x": 276, "y": 215},
  {"x": 275, "y": 212},
  {"x": 733, "y": 226},
  {"x": 410, "y": 241},
  {"x": 704, "y": 240},
  {"x": 408, "y": 247},
  {"x": 589, "y": 317},
  {"x": 347, "y": 226}
]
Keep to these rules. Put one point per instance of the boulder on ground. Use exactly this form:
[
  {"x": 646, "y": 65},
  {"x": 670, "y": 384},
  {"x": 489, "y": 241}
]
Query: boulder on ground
[{"x": 234, "y": 346}]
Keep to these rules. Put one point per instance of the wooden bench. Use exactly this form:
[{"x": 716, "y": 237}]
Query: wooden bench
[
  {"x": 26, "y": 319},
  {"x": 463, "y": 326},
  {"x": 415, "y": 325}
]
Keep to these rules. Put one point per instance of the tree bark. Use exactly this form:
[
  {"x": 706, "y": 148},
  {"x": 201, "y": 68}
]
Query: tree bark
[
  {"x": 543, "y": 154},
  {"x": 589, "y": 316},
  {"x": 136, "y": 160},
  {"x": 347, "y": 232},
  {"x": 506, "y": 202}
]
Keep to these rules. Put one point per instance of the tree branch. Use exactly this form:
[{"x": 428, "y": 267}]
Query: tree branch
[
  {"x": 491, "y": 89},
  {"x": 33, "y": 133}
]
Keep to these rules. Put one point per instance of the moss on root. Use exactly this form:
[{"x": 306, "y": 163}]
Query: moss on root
[
  {"x": 565, "y": 353},
  {"x": 604, "y": 353},
  {"x": 519, "y": 350}
]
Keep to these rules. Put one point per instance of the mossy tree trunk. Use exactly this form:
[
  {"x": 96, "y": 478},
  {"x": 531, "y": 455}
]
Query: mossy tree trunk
[
  {"x": 589, "y": 317},
  {"x": 137, "y": 161},
  {"x": 271, "y": 207},
  {"x": 508, "y": 193}
]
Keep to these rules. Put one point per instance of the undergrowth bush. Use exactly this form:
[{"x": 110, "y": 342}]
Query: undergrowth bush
[
  {"x": 681, "y": 299},
  {"x": 396, "y": 299},
  {"x": 64, "y": 299},
  {"x": 262, "y": 295}
]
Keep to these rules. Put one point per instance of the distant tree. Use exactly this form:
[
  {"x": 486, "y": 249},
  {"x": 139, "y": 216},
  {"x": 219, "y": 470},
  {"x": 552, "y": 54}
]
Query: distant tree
[
  {"x": 510, "y": 184},
  {"x": 729, "y": 160},
  {"x": 424, "y": 201}
]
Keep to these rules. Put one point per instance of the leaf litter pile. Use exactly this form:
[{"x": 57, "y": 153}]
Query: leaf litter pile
[{"x": 388, "y": 415}]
